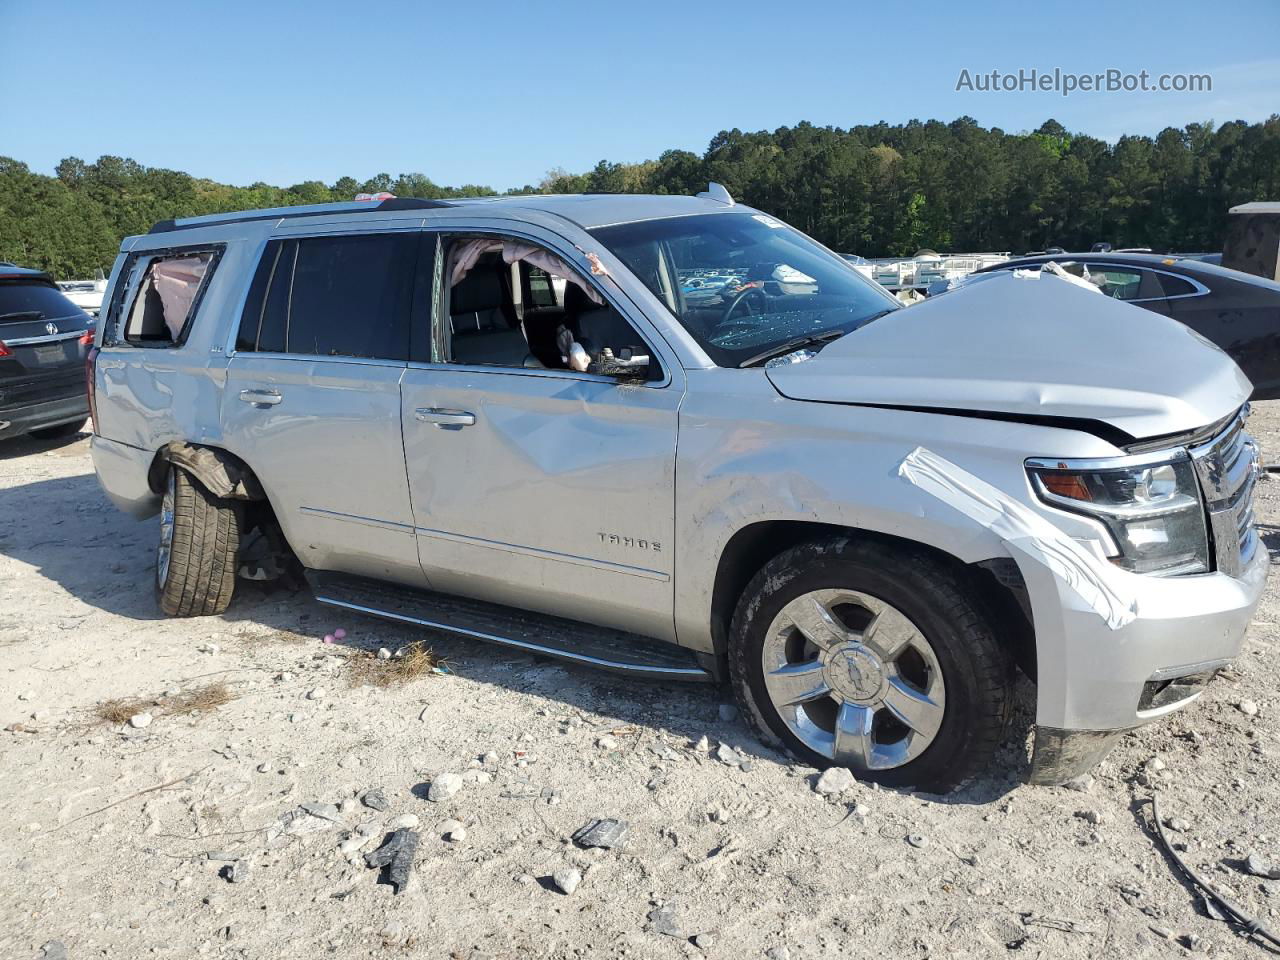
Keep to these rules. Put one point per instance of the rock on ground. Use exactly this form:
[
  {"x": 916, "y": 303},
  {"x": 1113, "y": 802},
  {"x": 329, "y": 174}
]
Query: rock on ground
[
  {"x": 605, "y": 834},
  {"x": 375, "y": 799},
  {"x": 444, "y": 786},
  {"x": 567, "y": 880},
  {"x": 833, "y": 781},
  {"x": 454, "y": 831}
]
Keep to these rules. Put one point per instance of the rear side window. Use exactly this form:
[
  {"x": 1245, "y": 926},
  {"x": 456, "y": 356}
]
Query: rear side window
[
  {"x": 25, "y": 298},
  {"x": 345, "y": 296},
  {"x": 1175, "y": 286},
  {"x": 1126, "y": 283},
  {"x": 168, "y": 293},
  {"x": 1116, "y": 282},
  {"x": 541, "y": 289}
]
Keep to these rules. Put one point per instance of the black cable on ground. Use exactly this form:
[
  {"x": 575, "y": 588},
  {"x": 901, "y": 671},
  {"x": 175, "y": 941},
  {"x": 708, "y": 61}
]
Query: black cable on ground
[{"x": 1233, "y": 911}]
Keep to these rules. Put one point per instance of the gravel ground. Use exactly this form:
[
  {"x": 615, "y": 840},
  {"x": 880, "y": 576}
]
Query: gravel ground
[{"x": 123, "y": 841}]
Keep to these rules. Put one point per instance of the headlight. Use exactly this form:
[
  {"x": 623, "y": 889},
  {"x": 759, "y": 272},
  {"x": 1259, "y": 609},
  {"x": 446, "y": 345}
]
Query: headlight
[{"x": 1153, "y": 511}]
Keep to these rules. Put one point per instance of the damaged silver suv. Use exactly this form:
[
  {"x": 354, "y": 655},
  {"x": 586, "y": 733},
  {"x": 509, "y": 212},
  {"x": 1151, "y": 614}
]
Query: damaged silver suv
[{"x": 675, "y": 438}]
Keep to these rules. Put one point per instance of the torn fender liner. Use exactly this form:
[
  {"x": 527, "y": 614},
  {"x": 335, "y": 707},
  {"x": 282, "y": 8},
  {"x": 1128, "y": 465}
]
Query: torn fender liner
[
  {"x": 1026, "y": 533},
  {"x": 1062, "y": 755},
  {"x": 219, "y": 472}
]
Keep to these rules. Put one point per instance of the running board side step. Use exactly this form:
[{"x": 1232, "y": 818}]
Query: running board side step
[{"x": 539, "y": 633}]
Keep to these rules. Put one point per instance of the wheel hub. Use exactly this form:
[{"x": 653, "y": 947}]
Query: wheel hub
[
  {"x": 854, "y": 673},
  {"x": 854, "y": 679}
]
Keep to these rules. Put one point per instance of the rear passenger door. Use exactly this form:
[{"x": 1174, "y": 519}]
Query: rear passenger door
[{"x": 312, "y": 400}]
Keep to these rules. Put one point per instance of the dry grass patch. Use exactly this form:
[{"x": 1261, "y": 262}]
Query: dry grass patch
[
  {"x": 415, "y": 660},
  {"x": 194, "y": 700},
  {"x": 197, "y": 700},
  {"x": 119, "y": 709}
]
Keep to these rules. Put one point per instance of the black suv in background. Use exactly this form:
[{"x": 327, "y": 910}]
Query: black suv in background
[{"x": 44, "y": 339}]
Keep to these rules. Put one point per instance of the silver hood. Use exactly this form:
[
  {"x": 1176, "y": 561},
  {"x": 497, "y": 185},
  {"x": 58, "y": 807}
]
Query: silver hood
[{"x": 1028, "y": 346}]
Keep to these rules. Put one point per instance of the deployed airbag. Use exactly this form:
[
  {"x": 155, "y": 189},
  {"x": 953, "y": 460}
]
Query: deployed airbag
[
  {"x": 466, "y": 254},
  {"x": 176, "y": 282}
]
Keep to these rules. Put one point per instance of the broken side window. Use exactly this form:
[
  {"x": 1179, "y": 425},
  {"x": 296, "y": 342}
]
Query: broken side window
[{"x": 167, "y": 293}]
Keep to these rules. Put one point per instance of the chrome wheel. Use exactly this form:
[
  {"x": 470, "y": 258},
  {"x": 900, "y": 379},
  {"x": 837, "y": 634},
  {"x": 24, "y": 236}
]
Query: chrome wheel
[
  {"x": 165, "y": 550},
  {"x": 854, "y": 679}
]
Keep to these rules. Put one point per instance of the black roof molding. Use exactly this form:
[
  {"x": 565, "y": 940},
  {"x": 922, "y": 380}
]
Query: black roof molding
[
  {"x": 386, "y": 206},
  {"x": 413, "y": 203}
]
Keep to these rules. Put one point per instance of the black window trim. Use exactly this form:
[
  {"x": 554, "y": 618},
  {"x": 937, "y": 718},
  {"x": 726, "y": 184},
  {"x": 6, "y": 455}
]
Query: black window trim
[
  {"x": 113, "y": 336},
  {"x": 1199, "y": 291}
]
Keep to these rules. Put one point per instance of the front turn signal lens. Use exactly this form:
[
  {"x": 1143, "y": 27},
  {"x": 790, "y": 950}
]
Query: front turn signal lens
[{"x": 1069, "y": 485}]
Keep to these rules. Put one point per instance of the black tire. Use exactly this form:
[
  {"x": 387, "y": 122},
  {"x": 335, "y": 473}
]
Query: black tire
[
  {"x": 200, "y": 575},
  {"x": 60, "y": 431},
  {"x": 977, "y": 671}
]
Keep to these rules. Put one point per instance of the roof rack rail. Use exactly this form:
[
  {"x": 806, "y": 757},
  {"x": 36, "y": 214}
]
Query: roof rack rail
[{"x": 291, "y": 213}]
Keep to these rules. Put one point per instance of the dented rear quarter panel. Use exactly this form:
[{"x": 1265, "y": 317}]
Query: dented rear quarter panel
[{"x": 148, "y": 396}]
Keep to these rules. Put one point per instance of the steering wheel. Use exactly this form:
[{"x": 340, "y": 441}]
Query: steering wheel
[{"x": 742, "y": 297}]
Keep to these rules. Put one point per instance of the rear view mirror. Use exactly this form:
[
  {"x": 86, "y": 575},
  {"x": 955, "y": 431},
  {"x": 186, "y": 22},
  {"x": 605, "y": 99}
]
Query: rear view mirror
[{"x": 705, "y": 254}]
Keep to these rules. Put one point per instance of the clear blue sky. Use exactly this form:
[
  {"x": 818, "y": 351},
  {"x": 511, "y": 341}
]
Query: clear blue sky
[{"x": 497, "y": 93}]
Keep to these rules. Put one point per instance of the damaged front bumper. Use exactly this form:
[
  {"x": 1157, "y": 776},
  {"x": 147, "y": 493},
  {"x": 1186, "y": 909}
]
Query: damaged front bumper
[
  {"x": 1060, "y": 755},
  {"x": 1096, "y": 683},
  {"x": 1114, "y": 649}
]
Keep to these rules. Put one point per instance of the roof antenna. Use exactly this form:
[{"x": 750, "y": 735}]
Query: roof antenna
[{"x": 717, "y": 193}]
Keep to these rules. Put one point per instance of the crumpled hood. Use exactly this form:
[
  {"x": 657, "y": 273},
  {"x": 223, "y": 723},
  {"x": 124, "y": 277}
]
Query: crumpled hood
[{"x": 1028, "y": 346}]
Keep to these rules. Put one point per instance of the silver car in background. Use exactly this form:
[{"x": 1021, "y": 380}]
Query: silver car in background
[{"x": 520, "y": 420}]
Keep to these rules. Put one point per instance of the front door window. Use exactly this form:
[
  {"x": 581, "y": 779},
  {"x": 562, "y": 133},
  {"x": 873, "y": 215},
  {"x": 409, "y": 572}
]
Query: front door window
[{"x": 511, "y": 303}]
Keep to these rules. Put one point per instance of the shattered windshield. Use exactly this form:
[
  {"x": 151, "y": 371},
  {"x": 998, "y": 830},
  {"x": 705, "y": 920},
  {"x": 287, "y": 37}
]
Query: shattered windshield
[{"x": 742, "y": 283}]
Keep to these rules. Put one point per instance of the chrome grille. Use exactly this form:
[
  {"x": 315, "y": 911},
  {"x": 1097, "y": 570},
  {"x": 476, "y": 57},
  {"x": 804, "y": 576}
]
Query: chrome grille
[{"x": 1227, "y": 467}]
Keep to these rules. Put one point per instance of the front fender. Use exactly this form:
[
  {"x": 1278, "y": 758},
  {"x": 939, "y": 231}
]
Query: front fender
[{"x": 747, "y": 456}]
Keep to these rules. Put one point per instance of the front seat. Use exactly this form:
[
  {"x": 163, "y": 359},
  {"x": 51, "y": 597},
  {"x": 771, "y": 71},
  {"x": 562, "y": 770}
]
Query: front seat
[
  {"x": 482, "y": 319},
  {"x": 597, "y": 326}
]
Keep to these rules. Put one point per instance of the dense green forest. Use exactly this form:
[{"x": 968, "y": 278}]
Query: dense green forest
[{"x": 878, "y": 190}]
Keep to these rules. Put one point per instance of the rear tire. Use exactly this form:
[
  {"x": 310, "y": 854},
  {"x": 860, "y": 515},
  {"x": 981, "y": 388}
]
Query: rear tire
[
  {"x": 199, "y": 541},
  {"x": 60, "y": 431},
  {"x": 874, "y": 657}
]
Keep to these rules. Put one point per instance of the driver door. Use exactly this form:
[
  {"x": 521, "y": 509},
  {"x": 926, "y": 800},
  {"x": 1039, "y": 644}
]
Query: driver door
[{"x": 540, "y": 488}]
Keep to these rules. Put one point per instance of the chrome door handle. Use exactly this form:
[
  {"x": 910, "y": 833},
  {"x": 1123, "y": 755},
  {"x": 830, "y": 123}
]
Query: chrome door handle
[
  {"x": 444, "y": 418},
  {"x": 266, "y": 398}
]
